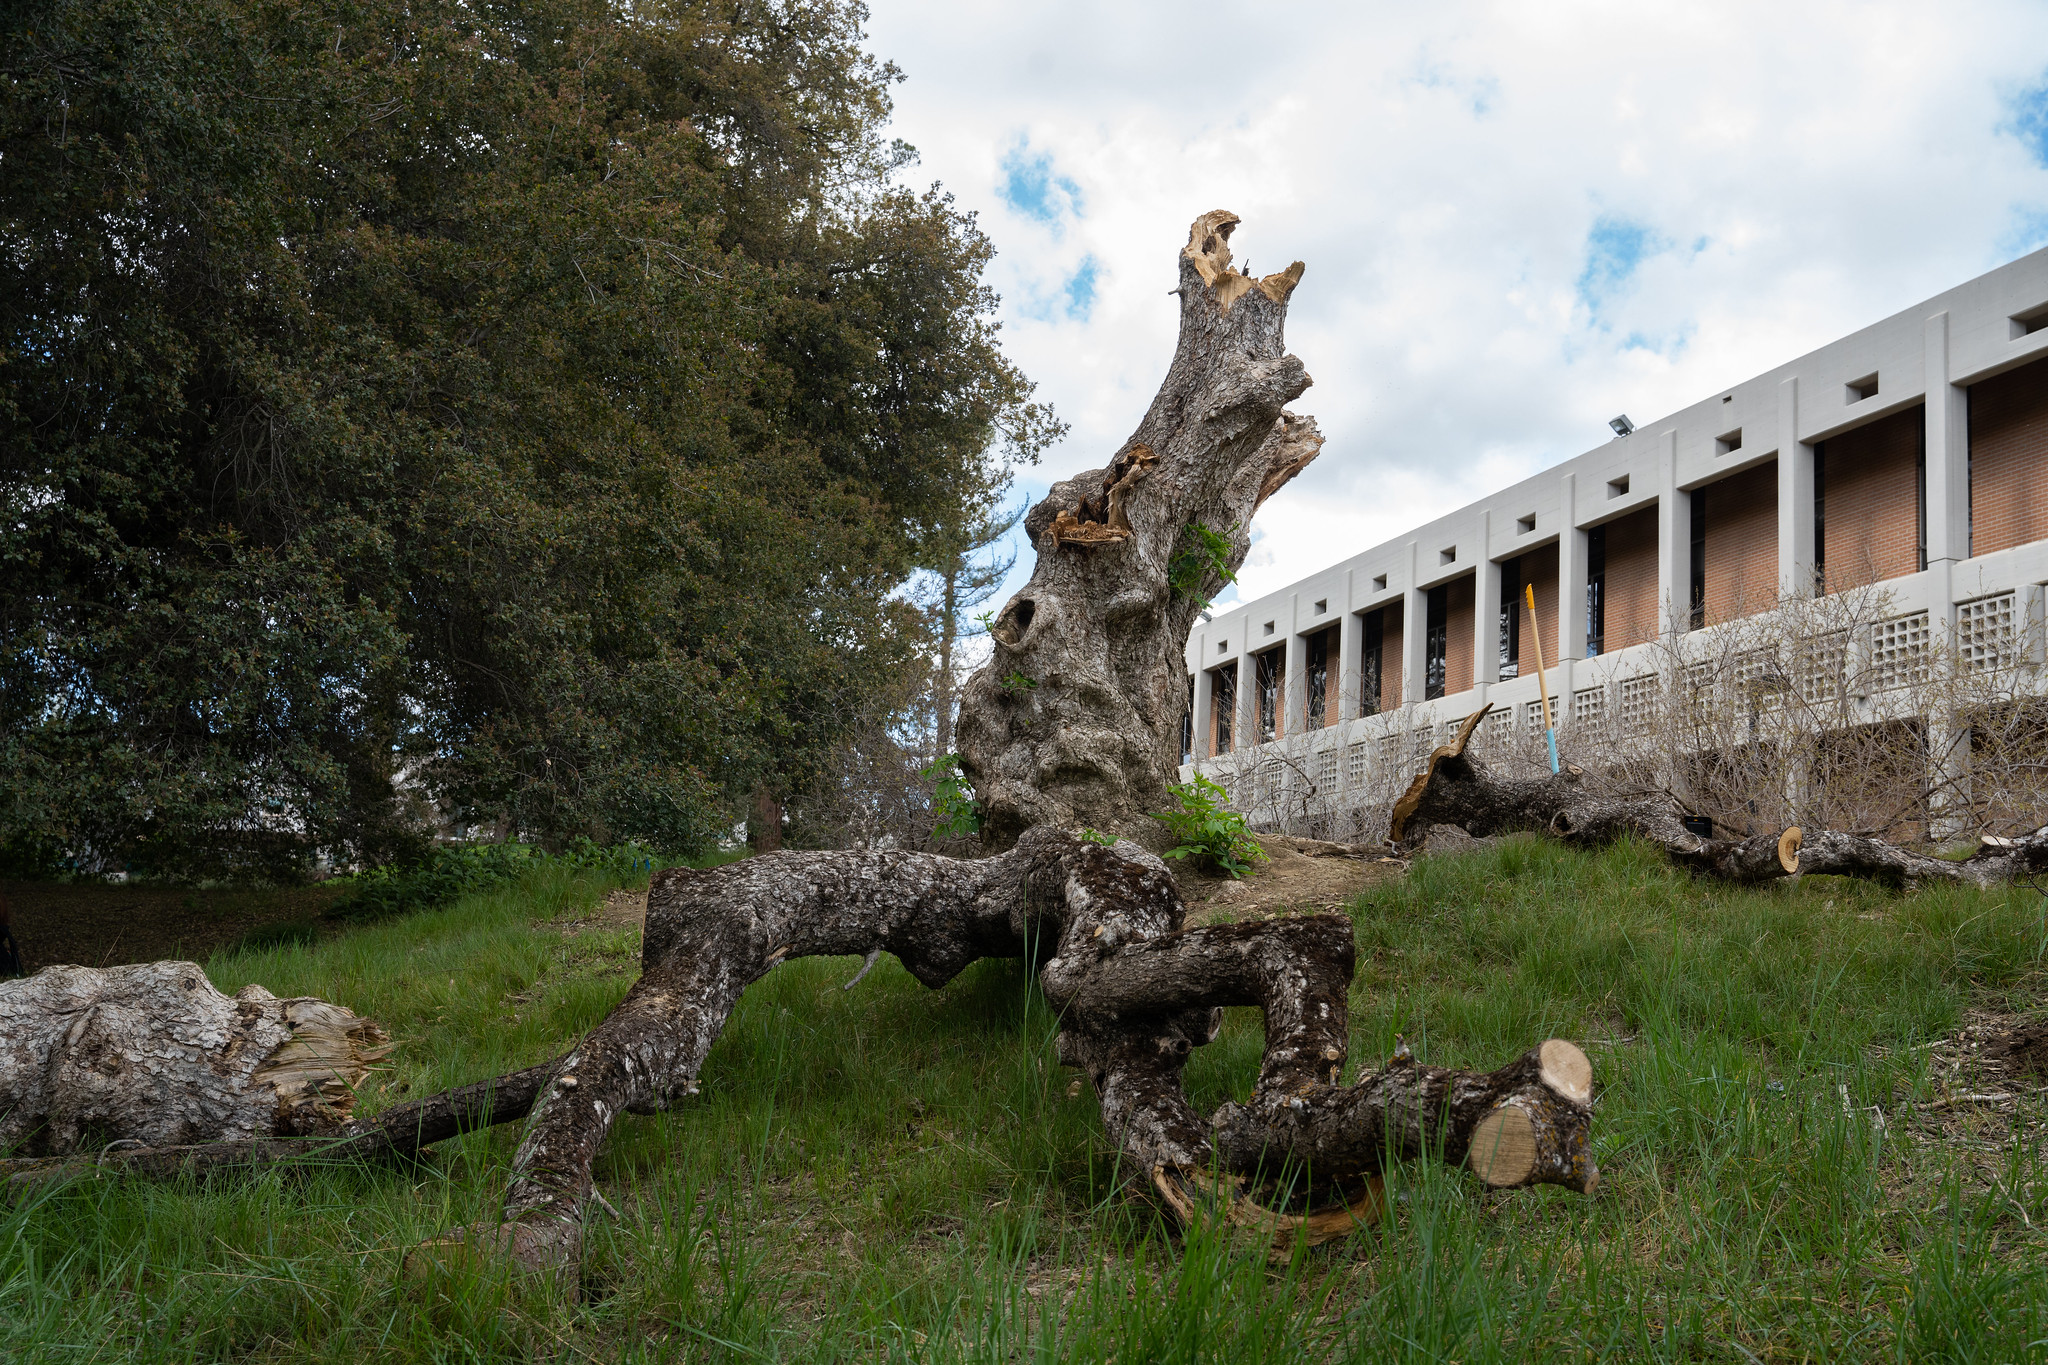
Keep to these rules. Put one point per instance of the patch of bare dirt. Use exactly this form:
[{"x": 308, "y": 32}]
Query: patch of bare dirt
[
  {"x": 620, "y": 910},
  {"x": 1298, "y": 875},
  {"x": 1990, "y": 1086},
  {"x": 100, "y": 924}
]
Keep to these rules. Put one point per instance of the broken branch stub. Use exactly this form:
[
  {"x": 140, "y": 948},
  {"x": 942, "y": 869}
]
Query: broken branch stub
[{"x": 1098, "y": 629}]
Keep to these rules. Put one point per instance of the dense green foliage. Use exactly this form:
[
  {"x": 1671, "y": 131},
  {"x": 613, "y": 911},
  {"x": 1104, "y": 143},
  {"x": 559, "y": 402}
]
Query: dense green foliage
[
  {"x": 1205, "y": 827},
  {"x": 539, "y": 400},
  {"x": 900, "y": 1174}
]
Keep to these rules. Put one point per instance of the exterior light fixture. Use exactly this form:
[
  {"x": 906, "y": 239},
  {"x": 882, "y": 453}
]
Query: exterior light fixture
[{"x": 1622, "y": 426}]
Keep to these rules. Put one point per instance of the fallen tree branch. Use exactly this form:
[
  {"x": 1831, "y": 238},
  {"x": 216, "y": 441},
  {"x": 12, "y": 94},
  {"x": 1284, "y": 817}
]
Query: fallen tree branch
[
  {"x": 1456, "y": 788},
  {"x": 1136, "y": 992}
]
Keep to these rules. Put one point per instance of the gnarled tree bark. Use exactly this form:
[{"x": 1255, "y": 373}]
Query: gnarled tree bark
[
  {"x": 1073, "y": 723},
  {"x": 1075, "y": 719}
]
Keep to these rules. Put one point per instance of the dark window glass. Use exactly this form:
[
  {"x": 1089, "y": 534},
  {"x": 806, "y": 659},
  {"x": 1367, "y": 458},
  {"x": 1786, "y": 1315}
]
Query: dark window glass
[
  {"x": 1436, "y": 643},
  {"x": 1187, "y": 726},
  {"x": 1318, "y": 679},
  {"x": 1696, "y": 601},
  {"x": 1271, "y": 674},
  {"x": 1820, "y": 517},
  {"x": 1369, "y": 671},
  {"x": 1510, "y": 619},
  {"x": 1596, "y": 591},
  {"x": 1223, "y": 706}
]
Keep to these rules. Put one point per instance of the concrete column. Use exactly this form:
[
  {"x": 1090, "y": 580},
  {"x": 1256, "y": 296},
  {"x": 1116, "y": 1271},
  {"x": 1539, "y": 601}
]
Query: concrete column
[
  {"x": 1948, "y": 451},
  {"x": 1571, "y": 577},
  {"x": 1350, "y": 661},
  {"x": 1414, "y": 630},
  {"x": 1294, "y": 687},
  {"x": 1797, "y": 552},
  {"x": 1674, "y": 541},
  {"x": 1485, "y": 614}
]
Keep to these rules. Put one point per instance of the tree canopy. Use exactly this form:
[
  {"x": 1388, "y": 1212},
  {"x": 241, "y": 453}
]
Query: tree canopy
[{"x": 533, "y": 408}]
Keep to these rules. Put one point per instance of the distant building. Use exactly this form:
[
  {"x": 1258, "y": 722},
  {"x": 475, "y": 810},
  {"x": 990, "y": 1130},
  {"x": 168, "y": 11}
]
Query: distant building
[{"x": 1912, "y": 454}]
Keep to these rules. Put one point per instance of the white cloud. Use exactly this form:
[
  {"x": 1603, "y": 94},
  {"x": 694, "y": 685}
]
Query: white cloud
[{"x": 1749, "y": 181}]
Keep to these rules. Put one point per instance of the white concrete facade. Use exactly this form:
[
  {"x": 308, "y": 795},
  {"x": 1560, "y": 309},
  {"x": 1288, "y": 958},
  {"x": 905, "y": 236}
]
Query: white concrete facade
[{"x": 1930, "y": 354}]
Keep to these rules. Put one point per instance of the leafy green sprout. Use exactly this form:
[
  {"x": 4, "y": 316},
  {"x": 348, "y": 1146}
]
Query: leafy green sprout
[
  {"x": 1017, "y": 682},
  {"x": 1202, "y": 553},
  {"x": 1096, "y": 836},
  {"x": 954, "y": 812},
  {"x": 1207, "y": 828}
]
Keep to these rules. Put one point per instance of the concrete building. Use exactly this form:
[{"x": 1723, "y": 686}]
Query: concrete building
[{"x": 1911, "y": 454}]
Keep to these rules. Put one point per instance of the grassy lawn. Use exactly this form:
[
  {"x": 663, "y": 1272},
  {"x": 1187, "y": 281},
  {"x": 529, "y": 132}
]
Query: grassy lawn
[{"x": 891, "y": 1173}]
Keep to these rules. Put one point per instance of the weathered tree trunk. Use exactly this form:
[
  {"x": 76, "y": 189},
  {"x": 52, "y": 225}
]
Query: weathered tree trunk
[
  {"x": 153, "y": 1054},
  {"x": 1075, "y": 719},
  {"x": 1073, "y": 723},
  {"x": 1456, "y": 788}
]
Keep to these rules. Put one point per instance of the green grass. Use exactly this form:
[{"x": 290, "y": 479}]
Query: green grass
[{"x": 890, "y": 1173}]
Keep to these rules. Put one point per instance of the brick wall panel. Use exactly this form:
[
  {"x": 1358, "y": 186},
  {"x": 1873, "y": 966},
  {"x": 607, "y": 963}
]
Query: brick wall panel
[
  {"x": 1873, "y": 501},
  {"x": 1742, "y": 543},
  {"x": 2009, "y": 459},
  {"x": 1390, "y": 660},
  {"x": 1458, "y": 608},
  {"x": 1634, "y": 610},
  {"x": 1539, "y": 568}
]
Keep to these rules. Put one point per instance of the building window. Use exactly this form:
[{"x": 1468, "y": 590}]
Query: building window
[
  {"x": 1318, "y": 680},
  {"x": 1187, "y": 725},
  {"x": 1369, "y": 670},
  {"x": 1820, "y": 518},
  {"x": 1269, "y": 676},
  {"x": 1596, "y": 590},
  {"x": 1920, "y": 501},
  {"x": 1436, "y": 643},
  {"x": 1223, "y": 707},
  {"x": 1510, "y": 618},
  {"x": 1696, "y": 597}
]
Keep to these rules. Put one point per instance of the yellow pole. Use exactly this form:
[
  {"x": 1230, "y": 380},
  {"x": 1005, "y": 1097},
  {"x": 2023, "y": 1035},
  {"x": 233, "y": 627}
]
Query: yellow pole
[{"x": 1542, "y": 688}]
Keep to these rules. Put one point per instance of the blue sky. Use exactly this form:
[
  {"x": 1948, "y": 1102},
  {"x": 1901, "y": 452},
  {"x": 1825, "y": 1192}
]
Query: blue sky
[{"x": 1517, "y": 220}]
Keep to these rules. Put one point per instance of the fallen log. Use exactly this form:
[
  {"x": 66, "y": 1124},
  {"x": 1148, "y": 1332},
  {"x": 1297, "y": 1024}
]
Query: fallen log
[
  {"x": 1457, "y": 788},
  {"x": 152, "y": 1054}
]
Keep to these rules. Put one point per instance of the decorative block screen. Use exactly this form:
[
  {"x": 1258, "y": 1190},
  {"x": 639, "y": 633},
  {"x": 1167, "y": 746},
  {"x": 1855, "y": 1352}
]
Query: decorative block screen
[
  {"x": 1326, "y": 772},
  {"x": 1823, "y": 665},
  {"x": 1985, "y": 633},
  {"x": 1898, "y": 651},
  {"x": 1638, "y": 698},
  {"x": 1589, "y": 705}
]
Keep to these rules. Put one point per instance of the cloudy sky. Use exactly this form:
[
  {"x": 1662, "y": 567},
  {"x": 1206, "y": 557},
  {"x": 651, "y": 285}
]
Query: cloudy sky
[{"x": 1519, "y": 220}]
